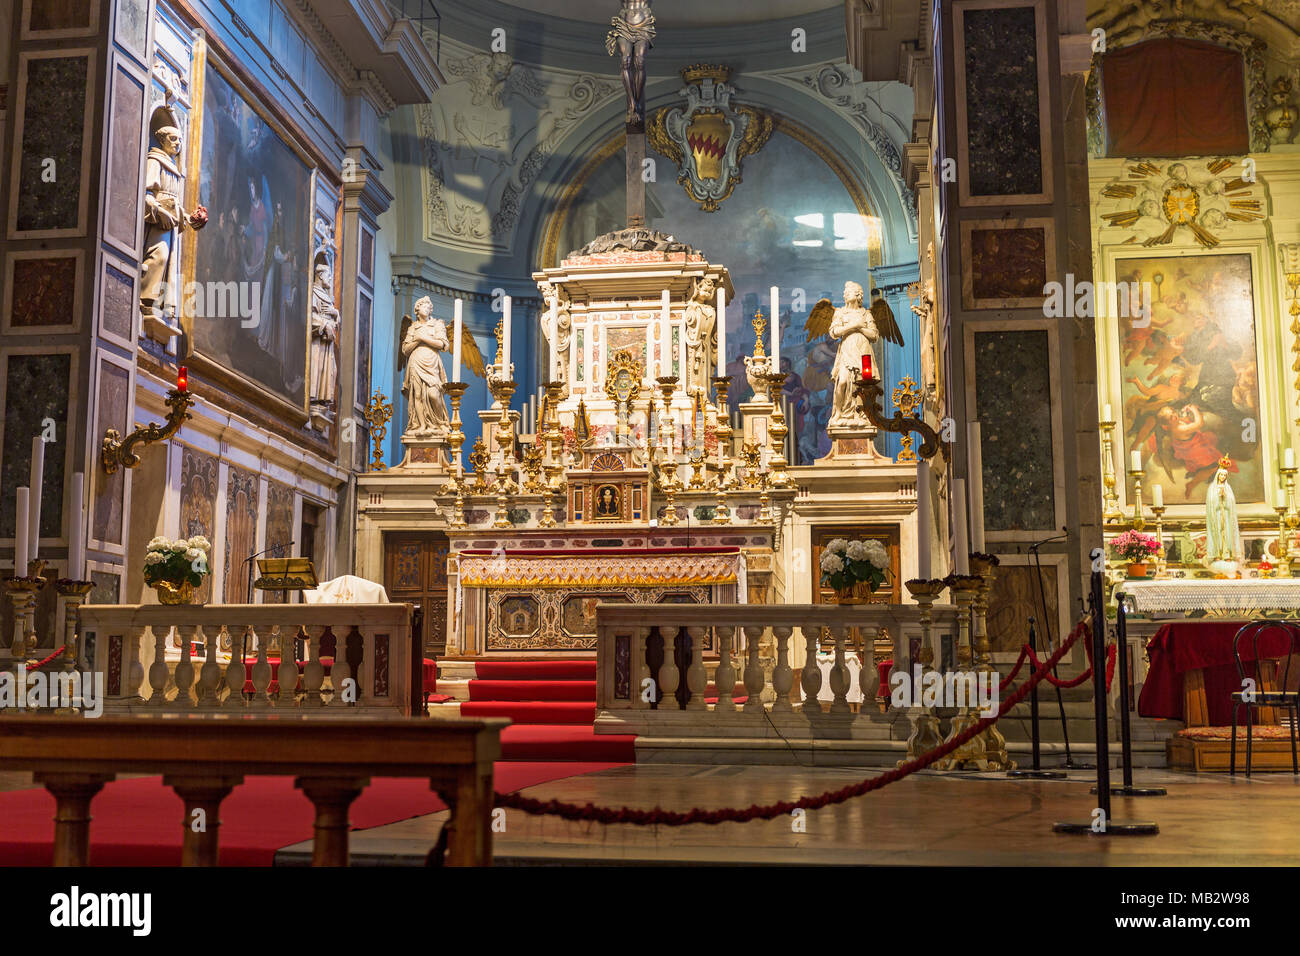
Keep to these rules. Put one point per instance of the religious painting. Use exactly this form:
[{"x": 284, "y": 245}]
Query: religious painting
[
  {"x": 629, "y": 339},
  {"x": 1189, "y": 377},
  {"x": 608, "y": 502},
  {"x": 252, "y": 261},
  {"x": 1006, "y": 265},
  {"x": 578, "y": 614},
  {"x": 199, "y": 474},
  {"x": 44, "y": 291},
  {"x": 241, "y": 533}
]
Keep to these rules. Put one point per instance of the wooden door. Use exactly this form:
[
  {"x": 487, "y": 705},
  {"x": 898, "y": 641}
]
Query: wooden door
[
  {"x": 415, "y": 571},
  {"x": 886, "y": 534}
]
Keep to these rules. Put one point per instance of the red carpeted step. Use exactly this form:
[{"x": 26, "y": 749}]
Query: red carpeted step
[
  {"x": 532, "y": 711},
  {"x": 536, "y": 670},
  {"x": 571, "y": 690},
  {"x": 565, "y": 742}
]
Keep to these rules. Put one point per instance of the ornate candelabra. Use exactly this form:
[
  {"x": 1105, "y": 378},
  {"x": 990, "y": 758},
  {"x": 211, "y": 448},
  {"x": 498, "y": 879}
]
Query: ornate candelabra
[
  {"x": 71, "y": 595},
  {"x": 1138, "y": 521},
  {"x": 1292, "y": 518},
  {"x": 552, "y": 468},
  {"x": 721, "y": 513},
  {"x": 925, "y": 734},
  {"x": 502, "y": 390},
  {"x": 116, "y": 451},
  {"x": 1109, "y": 499},
  {"x": 377, "y": 415},
  {"x": 1283, "y": 562},
  {"x": 776, "y": 433},
  {"x": 670, "y": 484},
  {"x": 456, "y": 438},
  {"x": 872, "y": 394},
  {"x": 984, "y": 567},
  {"x": 1161, "y": 556},
  {"x": 970, "y": 755},
  {"x": 502, "y": 489}
]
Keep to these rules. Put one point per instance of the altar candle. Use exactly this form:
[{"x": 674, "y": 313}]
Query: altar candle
[
  {"x": 37, "y": 485},
  {"x": 20, "y": 532},
  {"x": 665, "y": 345},
  {"x": 776, "y": 329},
  {"x": 1281, "y": 498},
  {"x": 1288, "y": 458},
  {"x": 1105, "y": 414},
  {"x": 456, "y": 326},
  {"x": 923, "y": 519},
  {"x": 182, "y": 379},
  {"x": 553, "y": 332},
  {"x": 77, "y": 536},
  {"x": 1157, "y": 496},
  {"x": 961, "y": 560},
  {"x": 721, "y": 326},
  {"x": 505, "y": 337},
  {"x": 1135, "y": 460},
  {"x": 866, "y": 367},
  {"x": 975, "y": 463}
]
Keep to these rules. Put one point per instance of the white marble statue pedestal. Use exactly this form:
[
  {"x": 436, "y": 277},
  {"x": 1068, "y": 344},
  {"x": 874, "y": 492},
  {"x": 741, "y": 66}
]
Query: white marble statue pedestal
[
  {"x": 425, "y": 455},
  {"x": 851, "y": 444}
]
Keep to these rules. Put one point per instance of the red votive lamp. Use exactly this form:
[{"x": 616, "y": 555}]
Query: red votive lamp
[
  {"x": 182, "y": 379},
  {"x": 866, "y": 367}
]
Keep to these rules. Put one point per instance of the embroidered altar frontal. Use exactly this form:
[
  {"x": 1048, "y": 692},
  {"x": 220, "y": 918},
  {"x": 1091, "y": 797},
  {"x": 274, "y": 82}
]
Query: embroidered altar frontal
[{"x": 545, "y": 600}]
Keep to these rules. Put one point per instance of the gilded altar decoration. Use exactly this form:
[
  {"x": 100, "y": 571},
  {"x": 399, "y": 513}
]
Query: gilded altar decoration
[
  {"x": 377, "y": 415},
  {"x": 623, "y": 378},
  {"x": 531, "y": 570},
  {"x": 1154, "y": 202},
  {"x": 710, "y": 138},
  {"x": 856, "y": 328},
  {"x": 116, "y": 451}
]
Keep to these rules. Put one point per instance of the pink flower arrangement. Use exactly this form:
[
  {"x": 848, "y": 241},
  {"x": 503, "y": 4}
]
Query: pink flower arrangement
[{"x": 1134, "y": 546}]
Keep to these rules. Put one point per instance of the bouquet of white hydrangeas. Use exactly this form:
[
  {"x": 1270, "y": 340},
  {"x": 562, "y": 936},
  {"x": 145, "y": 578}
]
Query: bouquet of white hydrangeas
[
  {"x": 846, "y": 563},
  {"x": 183, "y": 561}
]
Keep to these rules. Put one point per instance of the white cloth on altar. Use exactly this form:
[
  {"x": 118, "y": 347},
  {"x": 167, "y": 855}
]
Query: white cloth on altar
[
  {"x": 1213, "y": 594},
  {"x": 826, "y": 661},
  {"x": 346, "y": 589}
]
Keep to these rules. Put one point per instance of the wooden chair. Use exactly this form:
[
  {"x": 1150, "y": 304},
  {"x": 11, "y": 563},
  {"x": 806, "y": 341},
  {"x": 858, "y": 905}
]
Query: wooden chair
[{"x": 1270, "y": 689}]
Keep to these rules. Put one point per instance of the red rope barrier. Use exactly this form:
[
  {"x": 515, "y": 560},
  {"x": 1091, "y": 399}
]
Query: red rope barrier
[
  {"x": 41, "y": 664},
  {"x": 1027, "y": 653},
  {"x": 674, "y": 818}
]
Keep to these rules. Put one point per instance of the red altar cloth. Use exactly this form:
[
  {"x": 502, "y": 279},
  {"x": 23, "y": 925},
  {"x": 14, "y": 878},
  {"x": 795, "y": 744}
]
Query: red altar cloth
[{"x": 1206, "y": 645}]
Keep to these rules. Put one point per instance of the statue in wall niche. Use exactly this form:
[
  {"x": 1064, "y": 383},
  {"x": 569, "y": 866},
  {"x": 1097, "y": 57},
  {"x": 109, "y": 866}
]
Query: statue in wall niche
[
  {"x": 700, "y": 315},
  {"x": 1222, "y": 532},
  {"x": 423, "y": 385},
  {"x": 1281, "y": 116},
  {"x": 164, "y": 218},
  {"x": 633, "y": 37},
  {"x": 324, "y": 347},
  {"x": 856, "y": 328},
  {"x": 563, "y": 328}
]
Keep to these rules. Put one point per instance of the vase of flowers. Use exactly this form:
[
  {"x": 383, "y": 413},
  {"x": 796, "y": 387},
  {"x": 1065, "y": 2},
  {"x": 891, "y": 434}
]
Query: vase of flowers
[
  {"x": 854, "y": 569},
  {"x": 174, "y": 569},
  {"x": 1135, "y": 548}
]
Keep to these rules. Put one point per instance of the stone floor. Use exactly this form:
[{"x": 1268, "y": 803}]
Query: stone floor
[{"x": 927, "y": 819}]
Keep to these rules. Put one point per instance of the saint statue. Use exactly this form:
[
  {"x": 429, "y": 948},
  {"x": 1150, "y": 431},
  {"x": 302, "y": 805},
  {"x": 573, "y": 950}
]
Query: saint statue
[
  {"x": 423, "y": 384},
  {"x": 563, "y": 329},
  {"x": 1222, "y": 534},
  {"x": 633, "y": 37},
  {"x": 324, "y": 344},
  {"x": 164, "y": 219},
  {"x": 700, "y": 314},
  {"x": 856, "y": 328}
]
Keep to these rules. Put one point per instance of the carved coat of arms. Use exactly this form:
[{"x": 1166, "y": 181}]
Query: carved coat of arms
[{"x": 709, "y": 138}]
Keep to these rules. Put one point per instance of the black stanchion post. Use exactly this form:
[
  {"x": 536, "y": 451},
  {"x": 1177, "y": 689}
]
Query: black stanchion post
[
  {"x": 1036, "y": 773},
  {"x": 1104, "y": 825},
  {"x": 1125, "y": 701}
]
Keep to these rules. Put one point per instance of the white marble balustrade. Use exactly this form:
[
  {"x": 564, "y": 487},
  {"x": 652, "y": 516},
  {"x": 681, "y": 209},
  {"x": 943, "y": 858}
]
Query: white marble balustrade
[
  {"x": 134, "y": 648},
  {"x": 789, "y": 635}
]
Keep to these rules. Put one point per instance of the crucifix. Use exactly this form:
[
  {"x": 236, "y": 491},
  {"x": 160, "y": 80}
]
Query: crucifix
[{"x": 632, "y": 37}]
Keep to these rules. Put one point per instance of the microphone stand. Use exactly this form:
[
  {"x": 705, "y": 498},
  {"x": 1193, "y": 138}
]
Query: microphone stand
[{"x": 1047, "y": 624}]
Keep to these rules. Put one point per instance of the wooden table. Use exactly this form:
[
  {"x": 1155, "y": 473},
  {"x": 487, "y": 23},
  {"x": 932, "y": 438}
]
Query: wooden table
[{"x": 204, "y": 758}]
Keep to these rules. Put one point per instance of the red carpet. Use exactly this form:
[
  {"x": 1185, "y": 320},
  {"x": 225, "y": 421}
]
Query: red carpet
[
  {"x": 553, "y": 706},
  {"x": 138, "y": 822}
]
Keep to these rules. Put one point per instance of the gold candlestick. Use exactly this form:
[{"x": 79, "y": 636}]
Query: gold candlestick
[
  {"x": 456, "y": 438},
  {"x": 1161, "y": 563},
  {"x": 502, "y": 489},
  {"x": 1283, "y": 562},
  {"x": 377, "y": 415},
  {"x": 1110, "y": 499},
  {"x": 1138, "y": 522},
  {"x": 1292, "y": 518},
  {"x": 721, "y": 513},
  {"x": 554, "y": 438},
  {"x": 925, "y": 734},
  {"x": 971, "y": 755},
  {"x": 670, "y": 484},
  {"x": 777, "y": 431}
]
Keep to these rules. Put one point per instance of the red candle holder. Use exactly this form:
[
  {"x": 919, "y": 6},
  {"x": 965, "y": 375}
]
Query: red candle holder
[
  {"x": 182, "y": 379},
  {"x": 866, "y": 367}
]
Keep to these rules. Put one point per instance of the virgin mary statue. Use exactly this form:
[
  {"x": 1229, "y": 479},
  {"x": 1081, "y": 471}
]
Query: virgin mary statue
[{"x": 1222, "y": 536}]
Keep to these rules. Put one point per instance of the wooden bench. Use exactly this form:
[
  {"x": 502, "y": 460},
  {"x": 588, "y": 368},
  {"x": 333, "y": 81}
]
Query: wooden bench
[{"x": 204, "y": 758}]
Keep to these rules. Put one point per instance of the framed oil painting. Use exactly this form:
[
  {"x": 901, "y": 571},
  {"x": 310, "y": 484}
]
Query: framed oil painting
[
  {"x": 258, "y": 188},
  {"x": 1189, "y": 380}
]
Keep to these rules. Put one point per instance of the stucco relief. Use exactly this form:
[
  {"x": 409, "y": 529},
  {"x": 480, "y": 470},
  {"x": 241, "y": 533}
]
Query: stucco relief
[{"x": 487, "y": 137}]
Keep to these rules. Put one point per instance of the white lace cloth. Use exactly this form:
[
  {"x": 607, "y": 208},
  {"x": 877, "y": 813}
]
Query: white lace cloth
[
  {"x": 346, "y": 589},
  {"x": 1248, "y": 595}
]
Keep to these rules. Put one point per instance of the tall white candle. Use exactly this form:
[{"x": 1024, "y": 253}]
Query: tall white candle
[
  {"x": 456, "y": 326},
  {"x": 552, "y": 331},
  {"x": 722, "y": 330},
  {"x": 1281, "y": 498},
  {"x": 505, "y": 337},
  {"x": 924, "y": 519},
  {"x": 77, "y": 534},
  {"x": 960, "y": 545},
  {"x": 1157, "y": 496},
  {"x": 21, "y": 546},
  {"x": 776, "y": 329},
  {"x": 1105, "y": 415},
  {"x": 1135, "y": 460},
  {"x": 665, "y": 343},
  {"x": 36, "y": 485},
  {"x": 1288, "y": 458},
  {"x": 975, "y": 462}
]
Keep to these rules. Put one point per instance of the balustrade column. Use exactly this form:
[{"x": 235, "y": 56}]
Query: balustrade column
[
  {"x": 184, "y": 675},
  {"x": 811, "y": 679},
  {"x": 202, "y": 796},
  {"x": 72, "y": 794},
  {"x": 210, "y": 672},
  {"x": 261, "y": 670},
  {"x": 158, "y": 669},
  {"x": 783, "y": 673},
  {"x": 725, "y": 675},
  {"x": 132, "y": 668},
  {"x": 839, "y": 672},
  {"x": 332, "y": 796},
  {"x": 668, "y": 675},
  {"x": 236, "y": 675},
  {"x": 868, "y": 679},
  {"x": 313, "y": 674},
  {"x": 288, "y": 672},
  {"x": 696, "y": 676},
  {"x": 341, "y": 674},
  {"x": 640, "y": 668},
  {"x": 753, "y": 669}
]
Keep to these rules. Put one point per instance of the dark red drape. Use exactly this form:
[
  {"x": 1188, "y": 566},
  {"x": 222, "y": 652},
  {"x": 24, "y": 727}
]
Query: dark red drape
[{"x": 1174, "y": 97}]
